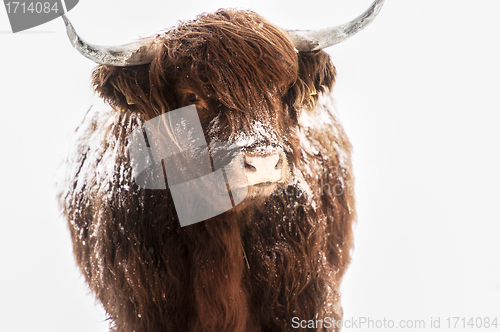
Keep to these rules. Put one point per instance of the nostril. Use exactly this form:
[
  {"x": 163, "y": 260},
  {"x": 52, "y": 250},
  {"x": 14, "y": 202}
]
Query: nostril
[
  {"x": 250, "y": 167},
  {"x": 279, "y": 164}
]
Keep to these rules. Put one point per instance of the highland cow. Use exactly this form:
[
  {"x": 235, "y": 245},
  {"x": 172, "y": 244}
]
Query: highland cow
[{"x": 277, "y": 257}]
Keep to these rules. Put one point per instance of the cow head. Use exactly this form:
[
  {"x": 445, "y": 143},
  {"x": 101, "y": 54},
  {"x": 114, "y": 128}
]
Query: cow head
[{"x": 248, "y": 79}]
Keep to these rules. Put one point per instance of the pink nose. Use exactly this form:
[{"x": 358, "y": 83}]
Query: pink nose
[{"x": 265, "y": 169}]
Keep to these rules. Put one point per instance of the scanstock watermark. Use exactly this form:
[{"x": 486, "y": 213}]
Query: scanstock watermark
[
  {"x": 204, "y": 180},
  {"x": 367, "y": 323},
  {"x": 24, "y": 15}
]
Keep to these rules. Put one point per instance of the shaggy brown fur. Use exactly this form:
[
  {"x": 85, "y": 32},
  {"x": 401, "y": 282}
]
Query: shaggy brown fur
[{"x": 255, "y": 267}]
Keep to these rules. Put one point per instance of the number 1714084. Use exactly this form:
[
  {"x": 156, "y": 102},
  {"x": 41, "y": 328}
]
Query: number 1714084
[
  {"x": 472, "y": 322},
  {"x": 31, "y": 7}
]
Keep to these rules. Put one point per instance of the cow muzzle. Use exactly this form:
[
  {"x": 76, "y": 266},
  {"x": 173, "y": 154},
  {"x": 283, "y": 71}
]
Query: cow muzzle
[{"x": 265, "y": 169}]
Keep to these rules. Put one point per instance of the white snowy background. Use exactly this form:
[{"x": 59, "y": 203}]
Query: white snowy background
[{"x": 418, "y": 92}]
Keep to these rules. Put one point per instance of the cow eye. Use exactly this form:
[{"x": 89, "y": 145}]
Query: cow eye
[{"x": 193, "y": 98}]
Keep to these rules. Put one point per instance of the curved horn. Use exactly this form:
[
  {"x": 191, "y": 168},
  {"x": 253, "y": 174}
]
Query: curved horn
[
  {"x": 314, "y": 40},
  {"x": 136, "y": 53}
]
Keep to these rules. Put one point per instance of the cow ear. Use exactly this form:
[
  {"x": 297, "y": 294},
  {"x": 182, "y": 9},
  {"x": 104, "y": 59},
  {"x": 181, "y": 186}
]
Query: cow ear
[
  {"x": 123, "y": 88},
  {"x": 316, "y": 76}
]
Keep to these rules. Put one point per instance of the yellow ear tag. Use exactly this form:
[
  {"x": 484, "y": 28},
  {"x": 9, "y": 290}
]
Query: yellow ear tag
[
  {"x": 129, "y": 101},
  {"x": 313, "y": 93}
]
